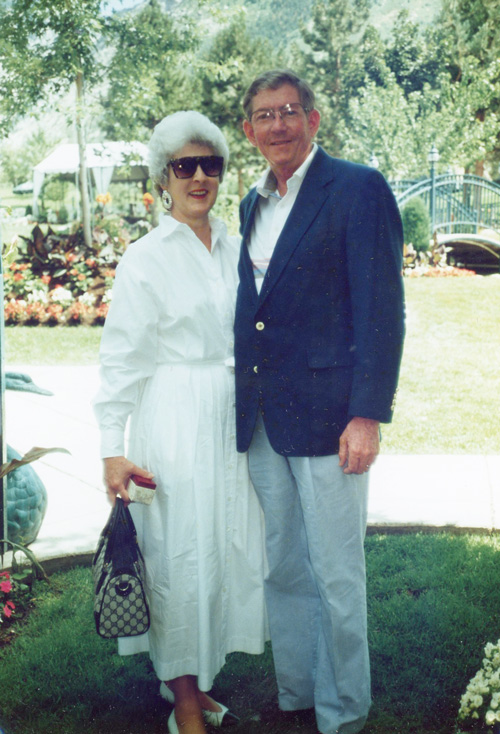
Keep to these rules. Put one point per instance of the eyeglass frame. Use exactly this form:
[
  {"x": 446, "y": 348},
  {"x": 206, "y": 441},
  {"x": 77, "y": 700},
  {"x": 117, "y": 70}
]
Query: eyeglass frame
[
  {"x": 199, "y": 160},
  {"x": 278, "y": 112}
]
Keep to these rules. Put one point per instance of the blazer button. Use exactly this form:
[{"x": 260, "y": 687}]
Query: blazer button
[
  {"x": 259, "y": 325},
  {"x": 255, "y": 369}
]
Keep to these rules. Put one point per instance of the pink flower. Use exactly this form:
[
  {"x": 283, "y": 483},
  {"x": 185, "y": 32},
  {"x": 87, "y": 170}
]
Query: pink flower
[
  {"x": 8, "y": 609},
  {"x": 5, "y": 586}
]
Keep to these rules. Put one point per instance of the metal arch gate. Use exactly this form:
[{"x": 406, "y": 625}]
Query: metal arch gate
[{"x": 459, "y": 202}]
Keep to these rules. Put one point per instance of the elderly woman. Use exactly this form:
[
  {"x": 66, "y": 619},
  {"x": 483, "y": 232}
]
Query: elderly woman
[{"x": 166, "y": 356}]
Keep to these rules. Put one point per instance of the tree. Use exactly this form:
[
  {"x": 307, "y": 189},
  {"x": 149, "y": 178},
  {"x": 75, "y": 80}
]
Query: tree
[
  {"x": 46, "y": 46},
  {"x": 150, "y": 71},
  {"x": 230, "y": 65},
  {"x": 329, "y": 60},
  {"x": 16, "y": 159},
  {"x": 414, "y": 57},
  {"x": 474, "y": 43}
]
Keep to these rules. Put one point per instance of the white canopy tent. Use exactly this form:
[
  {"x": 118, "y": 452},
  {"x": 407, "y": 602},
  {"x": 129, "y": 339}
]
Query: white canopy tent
[{"x": 104, "y": 160}]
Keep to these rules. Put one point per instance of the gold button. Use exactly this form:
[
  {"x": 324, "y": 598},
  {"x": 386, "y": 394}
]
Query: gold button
[
  {"x": 255, "y": 369},
  {"x": 259, "y": 325}
]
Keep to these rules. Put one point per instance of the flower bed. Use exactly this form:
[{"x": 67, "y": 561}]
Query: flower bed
[
  {"x": 36, "y": 313},
  {"x": 52, "y": 279},
  {"x": 443, "y": 271},
  {"x": 431, "y": 264}
]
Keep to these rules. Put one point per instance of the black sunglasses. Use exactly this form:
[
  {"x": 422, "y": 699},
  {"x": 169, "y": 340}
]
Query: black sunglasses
[{"x": 211, "y": 165}]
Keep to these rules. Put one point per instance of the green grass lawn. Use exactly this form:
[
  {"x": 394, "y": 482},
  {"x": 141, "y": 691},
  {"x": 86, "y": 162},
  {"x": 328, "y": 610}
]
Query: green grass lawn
[
  {"x": 57, "y": 345},
  {"x": 449, "y": 393},
  {"x": 433, "y": 603}
]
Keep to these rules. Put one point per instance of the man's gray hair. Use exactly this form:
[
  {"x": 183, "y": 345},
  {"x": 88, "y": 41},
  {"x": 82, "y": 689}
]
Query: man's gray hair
[
  {"x": 275, "y": 79},
  {"x": 173, "y": 133}
]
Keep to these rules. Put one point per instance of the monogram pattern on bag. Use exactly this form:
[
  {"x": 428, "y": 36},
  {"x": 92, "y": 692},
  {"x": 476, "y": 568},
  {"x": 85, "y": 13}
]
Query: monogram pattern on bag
[{"x": 120, "y": 607}]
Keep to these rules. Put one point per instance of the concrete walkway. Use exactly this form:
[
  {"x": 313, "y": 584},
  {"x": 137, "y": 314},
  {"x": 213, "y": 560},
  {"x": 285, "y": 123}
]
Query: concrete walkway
[{"x": 406, "y": 492}]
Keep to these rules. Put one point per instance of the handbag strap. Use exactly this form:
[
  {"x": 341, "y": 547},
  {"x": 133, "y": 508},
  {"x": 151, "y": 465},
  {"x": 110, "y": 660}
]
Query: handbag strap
[{"x": 122, "y": 548}]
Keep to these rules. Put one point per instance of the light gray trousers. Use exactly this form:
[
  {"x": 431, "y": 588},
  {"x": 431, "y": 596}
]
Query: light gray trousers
[{"x": 316, "y": 587}]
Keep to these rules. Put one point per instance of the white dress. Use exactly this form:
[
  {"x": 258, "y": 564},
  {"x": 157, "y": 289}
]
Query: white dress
[{"x": 166, "y": 361}]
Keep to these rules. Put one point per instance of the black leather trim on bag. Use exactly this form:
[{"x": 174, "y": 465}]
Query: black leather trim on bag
[{"x": 120, "y": 606}]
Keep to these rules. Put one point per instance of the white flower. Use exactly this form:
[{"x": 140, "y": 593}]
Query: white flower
[
  {"x": 62, "y": 296},
  {"x": 489, "y": 649},
  {"x": 490, "y": 718},
  {"x": 87, "y": 298},
  {"x": 40, "y": 296}
]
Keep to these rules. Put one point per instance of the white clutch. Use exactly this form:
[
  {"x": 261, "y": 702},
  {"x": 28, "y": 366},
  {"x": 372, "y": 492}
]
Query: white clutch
[{"x": 141, "y": 489}]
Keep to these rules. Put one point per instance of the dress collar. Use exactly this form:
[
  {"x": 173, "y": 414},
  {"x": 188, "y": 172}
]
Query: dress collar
[{"x": 168, "y": 225}]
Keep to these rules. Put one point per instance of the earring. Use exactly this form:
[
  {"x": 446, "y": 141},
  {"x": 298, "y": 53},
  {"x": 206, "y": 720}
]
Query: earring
[{"x": 166, "y": 201}]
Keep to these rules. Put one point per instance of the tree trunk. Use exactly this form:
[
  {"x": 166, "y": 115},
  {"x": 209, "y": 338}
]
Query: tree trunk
[{"x": 80, "y": 133}]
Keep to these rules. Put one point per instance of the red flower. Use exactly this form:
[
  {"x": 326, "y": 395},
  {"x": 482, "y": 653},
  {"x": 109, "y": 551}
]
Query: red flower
[
  {"x": 8, "y": 608},
  {"x": 70, "y": 257},
  {"x": 81, "y": 276},
  {"x": 6, "y": 586},
  {"x": 18, "y": 276},
  {"x": 90, "y": 262},
  {"x": 45, "y": 279}
]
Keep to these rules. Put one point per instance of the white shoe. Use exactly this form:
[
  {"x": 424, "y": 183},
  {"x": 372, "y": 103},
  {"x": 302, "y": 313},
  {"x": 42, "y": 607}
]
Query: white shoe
[
  {"x": 216, "y": 718},
  {"x": 167, "y": 693},
  {"x": 172, "y": 723}
]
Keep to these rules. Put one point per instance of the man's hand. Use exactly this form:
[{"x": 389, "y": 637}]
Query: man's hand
[
  {"x": 359, "y": 445},
  {"x": 117, "y": 472}
]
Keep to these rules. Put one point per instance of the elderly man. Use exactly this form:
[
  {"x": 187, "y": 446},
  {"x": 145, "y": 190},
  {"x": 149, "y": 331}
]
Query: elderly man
[{"x": 319, "y": 332}]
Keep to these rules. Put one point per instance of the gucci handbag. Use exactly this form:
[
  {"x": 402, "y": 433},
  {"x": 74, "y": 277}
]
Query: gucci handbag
[{"x": 120, "y": 606}]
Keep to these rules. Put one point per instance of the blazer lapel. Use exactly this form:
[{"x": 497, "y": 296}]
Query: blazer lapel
[{"x": 309, "y": 201}]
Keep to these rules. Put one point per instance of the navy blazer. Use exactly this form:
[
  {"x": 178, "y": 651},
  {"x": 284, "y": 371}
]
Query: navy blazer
[{"x": 322, "y": 343}]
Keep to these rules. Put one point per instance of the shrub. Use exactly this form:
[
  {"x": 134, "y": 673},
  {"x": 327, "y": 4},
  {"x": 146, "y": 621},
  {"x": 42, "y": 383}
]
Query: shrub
[
  {"x": 62, "y": 215},
  {"x": 416, "y": 224}
]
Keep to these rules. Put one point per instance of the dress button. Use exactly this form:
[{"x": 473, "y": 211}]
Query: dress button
[
  {"x": 259, "y": 325},
  {"x": 255, "y": 369}
]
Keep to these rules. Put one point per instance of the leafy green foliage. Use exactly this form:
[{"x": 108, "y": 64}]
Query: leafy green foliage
[
  {"x": 328, "y": 59},
  {"x": 393, "y": 93},
  {"x": 150, "y": 71},
  {"x": 231, "y": 64},
  {"x": 43, "y": 46},
  {"x": 416, "y": 224}
]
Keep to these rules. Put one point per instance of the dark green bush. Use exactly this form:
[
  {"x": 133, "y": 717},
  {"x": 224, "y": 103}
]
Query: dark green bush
[{"x": 416, "y": 224}]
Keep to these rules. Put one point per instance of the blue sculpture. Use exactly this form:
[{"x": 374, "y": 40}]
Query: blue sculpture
[{"x": 26, "y": 493}]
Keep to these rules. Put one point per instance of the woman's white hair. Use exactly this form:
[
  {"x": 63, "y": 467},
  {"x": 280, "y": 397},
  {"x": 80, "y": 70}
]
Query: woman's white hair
[{"x": 174, "y": 132}]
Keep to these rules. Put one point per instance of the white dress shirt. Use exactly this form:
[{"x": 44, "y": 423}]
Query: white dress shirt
[{"x": 271, "y": 215}]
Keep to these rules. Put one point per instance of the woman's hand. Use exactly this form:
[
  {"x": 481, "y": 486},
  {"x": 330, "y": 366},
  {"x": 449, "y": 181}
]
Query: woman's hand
[{"x": 117, "y": 472}]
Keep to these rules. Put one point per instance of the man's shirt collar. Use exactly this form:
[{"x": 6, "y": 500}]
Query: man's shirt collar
[{"x": 267, "y": 185}]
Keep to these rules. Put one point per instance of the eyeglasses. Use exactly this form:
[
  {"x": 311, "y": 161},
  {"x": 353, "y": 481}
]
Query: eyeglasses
[
  {"x": 287, "y": 113},
  {"x": 211, "y": 165}
]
